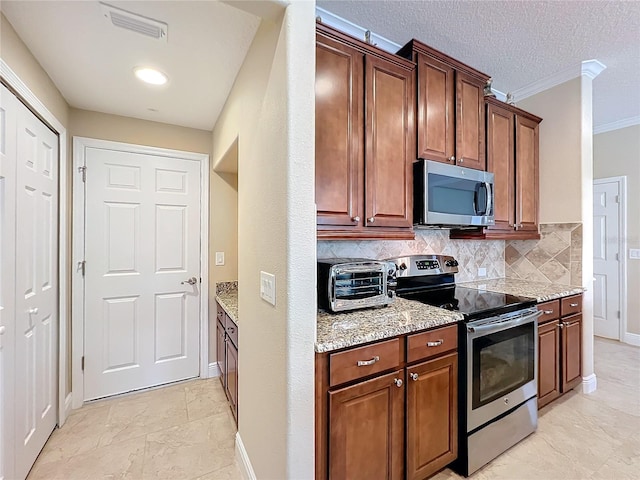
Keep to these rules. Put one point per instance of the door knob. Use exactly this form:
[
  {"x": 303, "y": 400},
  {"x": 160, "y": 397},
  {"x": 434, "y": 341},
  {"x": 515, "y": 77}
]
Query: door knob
[
  {"x": 191, "y": 281},
  {"x": 2, "y": 329}
]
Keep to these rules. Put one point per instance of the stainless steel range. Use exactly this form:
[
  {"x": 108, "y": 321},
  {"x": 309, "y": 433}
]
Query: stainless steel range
[{"x": 498, "y": 357}]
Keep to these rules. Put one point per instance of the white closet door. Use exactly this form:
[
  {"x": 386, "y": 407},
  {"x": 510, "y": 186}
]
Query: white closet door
[
  {"x": 7, "y": 279},
  {"x": 142, "y": 242},
  {"x": 36, "y": 277}
]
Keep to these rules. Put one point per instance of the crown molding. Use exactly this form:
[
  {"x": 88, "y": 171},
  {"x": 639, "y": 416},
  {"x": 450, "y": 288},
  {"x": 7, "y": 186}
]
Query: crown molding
[
  {"x": 354, "y": 30},
  {"x": 499, "y": 95},
  {"x": 589, "y": 68},
  {"x": 617, "y": 125}
]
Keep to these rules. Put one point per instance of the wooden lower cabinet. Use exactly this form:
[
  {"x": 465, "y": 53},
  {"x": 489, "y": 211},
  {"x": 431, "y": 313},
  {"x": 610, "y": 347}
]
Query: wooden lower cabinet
[
  {"x": 220, "y": 353},
  {"x": 432, "y": 416},
  {"x": 559, "y": 348},
  {"x": 366, "y": 429},
  {"x": 231, "y": 386},
  {"x": 548, "y": 362}
]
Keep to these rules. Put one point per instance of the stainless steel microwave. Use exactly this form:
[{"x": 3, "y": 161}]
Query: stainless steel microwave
[{"x": 451, "y": 196}]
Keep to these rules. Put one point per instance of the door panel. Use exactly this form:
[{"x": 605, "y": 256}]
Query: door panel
[
  {"x": 571, "y": 352},
  {"x": 36, "y": 287},
  {"x": 606, "y": 262},
  {"x": 548, "y": 363},
  {"x": 470, "y": 127},
  {"x": 526, "y": 174},
  {"x": 142, "y": 241}
]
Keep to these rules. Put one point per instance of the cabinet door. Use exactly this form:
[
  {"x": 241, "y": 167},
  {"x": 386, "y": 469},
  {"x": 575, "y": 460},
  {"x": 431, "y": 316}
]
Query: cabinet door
[
  {"x": 436, "y": 110},
  {"x": 571, "y": 352},
  {"x": 390, "y": 144},
  {"x": 526, "y": 174},
  {"x": 432, "y": 416},
  {"x": 232, "y": 378},
  {"x": 470, "y": 127},
  {"x": 339, "y": 133},
  {"x": 500, "y": 162},
  {"x": 366, "y": 429},
  {"x": 548, "y": 362},
  {"x": 220, "y": 352}
]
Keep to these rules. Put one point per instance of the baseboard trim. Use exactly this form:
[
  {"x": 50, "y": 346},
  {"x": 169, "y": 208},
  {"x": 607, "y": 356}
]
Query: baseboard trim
[
  {"x": 589, "y": 384},
  {"x": 243, "y": 460},
  {"x": 632, "y": 339},
  {"x": 214, "y": 370}
]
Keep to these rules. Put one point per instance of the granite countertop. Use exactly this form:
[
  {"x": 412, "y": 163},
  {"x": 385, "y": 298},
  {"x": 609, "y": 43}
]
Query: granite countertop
[
  {"x": 348, "y": 329},
  {"x": 227, "y": 297},
  {"x": 541, "y": 292}
]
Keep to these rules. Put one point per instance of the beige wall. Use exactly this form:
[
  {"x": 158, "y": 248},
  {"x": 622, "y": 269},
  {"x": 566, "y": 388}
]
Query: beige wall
[
  {"x": 270, "y": 112},
  {"x": 16, "y": 54},
  {"x": 560, "y": 135},
  {"x": 104, "y": 126},
  {"x": 617, "y": 153}
]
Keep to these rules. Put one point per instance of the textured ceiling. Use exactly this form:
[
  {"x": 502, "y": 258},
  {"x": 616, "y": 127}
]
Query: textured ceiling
[
  {"x": 521, "y": 42},
  {"x": 91, "y": 62}
]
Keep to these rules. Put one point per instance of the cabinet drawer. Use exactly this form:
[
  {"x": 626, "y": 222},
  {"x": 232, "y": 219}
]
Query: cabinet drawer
[
  {"x": 571, "y": 305},
  {"x": 551, "y": 311},
  {"x": 433, "y": 342},
  {"x": 363, "y": 361}
]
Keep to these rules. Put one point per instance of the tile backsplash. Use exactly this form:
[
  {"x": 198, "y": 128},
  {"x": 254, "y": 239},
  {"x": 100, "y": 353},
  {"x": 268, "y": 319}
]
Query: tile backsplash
[
  {"x": 471, "y": 254},
  {"x": 555, "y": 258}
]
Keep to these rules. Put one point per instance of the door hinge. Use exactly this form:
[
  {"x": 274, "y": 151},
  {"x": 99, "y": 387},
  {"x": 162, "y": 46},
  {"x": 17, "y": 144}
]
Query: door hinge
[
  {"x": 82, "y": 363},
  {"x": 617, "y": 256},
  {"x": 618, "y": 313},
  {"x": 83, "y": 171},
  {"x": 82, "y": 267}
]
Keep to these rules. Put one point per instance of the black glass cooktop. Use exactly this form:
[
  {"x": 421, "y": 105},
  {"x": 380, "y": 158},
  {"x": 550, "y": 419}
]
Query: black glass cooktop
[{"x": 472, "y": 303}]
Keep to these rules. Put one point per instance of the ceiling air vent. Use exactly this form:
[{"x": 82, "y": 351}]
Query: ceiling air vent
[{"x": 135, "y": 23}]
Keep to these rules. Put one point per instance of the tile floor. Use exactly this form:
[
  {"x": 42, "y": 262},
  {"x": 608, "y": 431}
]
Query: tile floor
[
  {"x": 180, "y": 432},
  {"x": 185, "y": 431}
]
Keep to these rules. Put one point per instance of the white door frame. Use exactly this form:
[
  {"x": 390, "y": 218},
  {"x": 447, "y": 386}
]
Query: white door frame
[
  {"x": 622, "y": 249},
  {"x": 80, "y": 144},
  {"x": 34, "y": 103}
]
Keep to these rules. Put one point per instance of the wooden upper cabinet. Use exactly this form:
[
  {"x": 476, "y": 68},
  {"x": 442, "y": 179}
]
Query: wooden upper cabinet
[
  {"x": 450, "y": 105},
  {"x": 527, "y": 159},
  {"x": 436, "y": 109},
  {"x": 500, "y": 161},
  {"x": 365, "y": 139},
  {"x": 470, "y": 129},
  {"x": 389, "y": 151},
  {"x": 339, "y": 133}
]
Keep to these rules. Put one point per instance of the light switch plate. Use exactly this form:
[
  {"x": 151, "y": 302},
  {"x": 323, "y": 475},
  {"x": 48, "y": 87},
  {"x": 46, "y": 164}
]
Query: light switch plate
[
  {"x": 634, "y": 253},
  {"x": 219, "y": 258},
  {"x": 268, "y": 287}
]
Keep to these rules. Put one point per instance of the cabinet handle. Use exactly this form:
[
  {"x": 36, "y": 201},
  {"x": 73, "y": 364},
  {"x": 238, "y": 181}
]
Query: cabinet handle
[
  {"x": 355, "y": 219},
  {"x": 547, "y": 312},
  {"x": 398, "y": 382},
  {"x": 452, "y": 158},
  {"x": 414, "y": 376},
  {"x": 437, "y": 343},
  {"x": 573, "y": 304},
  {"x": 366, "y": 363},
  {"x": 370, "y": 219}
]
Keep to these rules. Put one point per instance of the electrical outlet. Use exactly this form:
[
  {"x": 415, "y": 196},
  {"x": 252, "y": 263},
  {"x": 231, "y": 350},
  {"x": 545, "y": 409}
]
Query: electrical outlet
[
  {"x": 634, "y": 253},
  {"x": 268, "y": 287},
  {"x": 219, "y": 258},
  {"x": 482, "y": 272}
]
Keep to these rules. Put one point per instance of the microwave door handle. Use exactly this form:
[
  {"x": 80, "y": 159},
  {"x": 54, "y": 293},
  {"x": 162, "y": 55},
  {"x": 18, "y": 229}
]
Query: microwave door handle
[
  {"x": 488, "y": 211},
  {"x": 476, "y": 197}
]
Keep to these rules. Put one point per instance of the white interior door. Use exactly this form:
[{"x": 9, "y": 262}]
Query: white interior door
[
  {"x": 142, "y": 242},
  {"x": 606, "y": 259},
  {"x": 7, "y": 279},
  {"x": 36, "y": 279}
]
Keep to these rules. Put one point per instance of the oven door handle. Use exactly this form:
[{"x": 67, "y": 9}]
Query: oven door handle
[{"x": 503, "y": 325}]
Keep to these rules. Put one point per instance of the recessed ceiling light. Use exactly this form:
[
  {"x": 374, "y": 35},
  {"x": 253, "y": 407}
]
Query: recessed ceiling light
[{"x": 151, "y": 75}]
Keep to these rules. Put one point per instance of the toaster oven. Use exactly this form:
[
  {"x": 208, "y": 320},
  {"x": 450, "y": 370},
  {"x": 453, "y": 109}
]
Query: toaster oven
[{"x": 351, "y": 283}]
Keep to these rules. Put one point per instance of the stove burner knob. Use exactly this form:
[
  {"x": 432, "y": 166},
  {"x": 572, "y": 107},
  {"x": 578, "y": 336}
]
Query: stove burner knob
[
  {"x": 402, "y": 266},
  {"x": 451, "y": 263}
]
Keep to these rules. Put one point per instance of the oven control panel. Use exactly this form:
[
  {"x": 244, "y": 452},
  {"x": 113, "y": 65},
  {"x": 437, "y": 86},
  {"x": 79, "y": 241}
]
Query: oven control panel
[{"x": 425, "y": 265}]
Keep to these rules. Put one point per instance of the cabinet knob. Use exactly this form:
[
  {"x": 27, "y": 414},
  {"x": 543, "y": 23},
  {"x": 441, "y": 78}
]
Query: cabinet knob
[
  {"x": 461, "y": 160},
  {"x": 414, "y": 376},
  {"x": 355, "y": 219},
  {"x": 452, "y": 158},
  {"x": 370, "y": 219},
  {"x": 398, "y": 382}
]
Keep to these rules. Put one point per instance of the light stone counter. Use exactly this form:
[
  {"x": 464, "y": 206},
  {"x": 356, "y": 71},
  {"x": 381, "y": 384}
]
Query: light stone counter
[
  {"x": 542, "y": 292},
  {"x": 227, "y": 297},
  {"x": 348, "y": 329}
]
